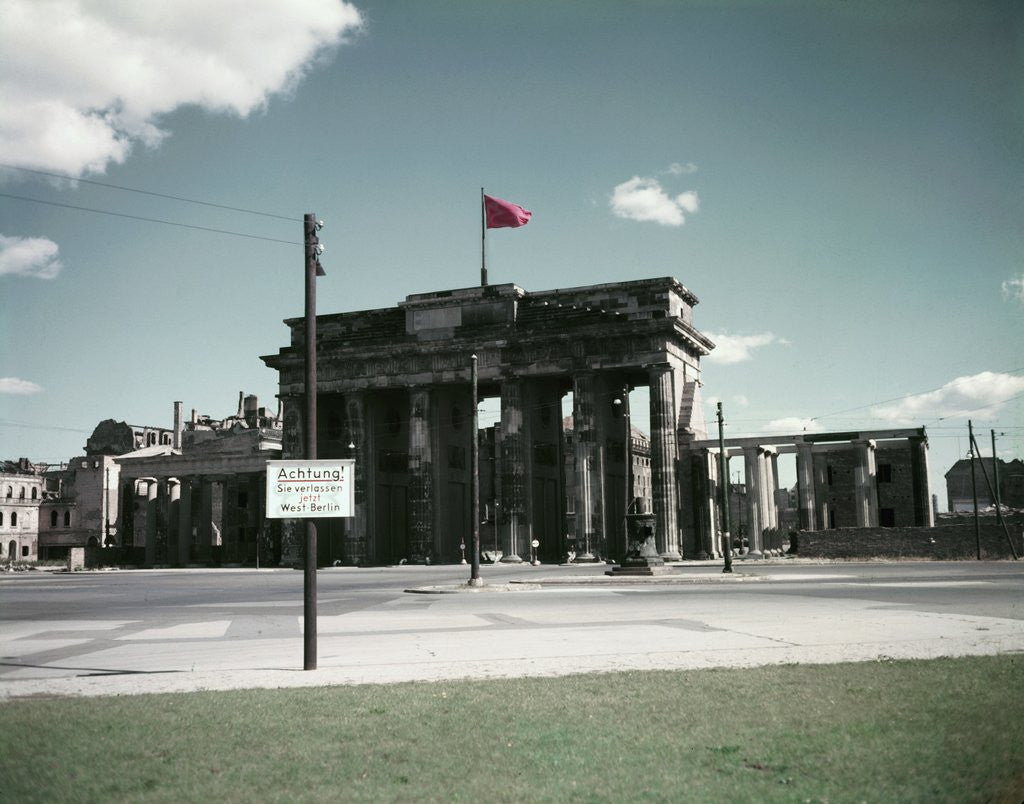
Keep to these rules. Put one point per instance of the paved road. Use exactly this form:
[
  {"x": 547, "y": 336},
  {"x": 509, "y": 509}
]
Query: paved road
[{"x": 108, "y": 633}]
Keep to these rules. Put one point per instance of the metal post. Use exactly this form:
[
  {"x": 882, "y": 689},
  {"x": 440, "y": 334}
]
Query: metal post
[
  {"x": 313, "y": 269},
  {"x": 723, "y": 473},
  {"x": 629, "y": 466},
  {"x": 483, "y": 240},
  {"x": 474, "y": 572},
  {"x": 974, "y": 493}
]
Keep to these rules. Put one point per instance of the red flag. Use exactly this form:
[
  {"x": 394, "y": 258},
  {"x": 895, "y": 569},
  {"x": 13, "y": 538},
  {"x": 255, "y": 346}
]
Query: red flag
[{"x": 503, "y": 214}]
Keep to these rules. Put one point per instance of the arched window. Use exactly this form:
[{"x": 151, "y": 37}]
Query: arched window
[
  {"x": 10, "y": 492},
  {"x": 14, "y": 518},
  {"x": 35, "y": 492},
  {"x": 67, "y": 519},
  {"x": 21, "y": 493},
  {"x": 1, "y": 519},
  {"x": 53, "y": 519}
]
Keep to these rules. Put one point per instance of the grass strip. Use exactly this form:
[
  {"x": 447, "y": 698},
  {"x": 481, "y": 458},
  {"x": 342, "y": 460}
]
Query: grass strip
[{"x": 941, "y": 730}]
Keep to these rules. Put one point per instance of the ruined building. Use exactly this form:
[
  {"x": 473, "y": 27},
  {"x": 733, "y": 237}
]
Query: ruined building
[
  {"x": 22, "y": 488},
  {"x": 394, "y": 394},
  {"x": 863, "y": 479},
  {"x": 202, "y": 499}
]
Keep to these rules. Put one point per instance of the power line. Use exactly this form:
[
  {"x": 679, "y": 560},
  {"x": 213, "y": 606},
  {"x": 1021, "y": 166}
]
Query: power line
[
  {"x": 150, "y": 192},
  {"x": 150, "y": 220},
  {"x": 29, "y": 426}
]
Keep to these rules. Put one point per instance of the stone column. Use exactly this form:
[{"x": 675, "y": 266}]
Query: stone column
[
  {"x": 233, "y": 550},
  {"x": 587, "y": 467},
  {"x": 204, "y": 528},
  {"x": 773, "y": 487},
  {"x": 185, "y": 521},
  {"x": 705, "y": 492},
  {"x": 821, "y": 490},
  {"x": 924, "y": 516},
  {"x": 173, "y": 514},
  {"x": 513, "y": 522},
  {"x": 663, "y": 462},
  {"x": 421, "y": 473},
  {"x": 355, "y": 406},
  {"x": 805, "y": 487},
  {"x": 755, "y": 521},
  {"x": 865, "y": 489},
  {"x": 152, "y": 490},
  {"x": 765, "y": 468}
]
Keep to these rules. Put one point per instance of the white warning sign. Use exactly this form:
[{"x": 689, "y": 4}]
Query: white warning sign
[{"x": 307, "y": 489}]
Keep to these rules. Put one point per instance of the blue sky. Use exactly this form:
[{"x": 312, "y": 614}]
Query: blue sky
[{"x": 840, "y": 183}]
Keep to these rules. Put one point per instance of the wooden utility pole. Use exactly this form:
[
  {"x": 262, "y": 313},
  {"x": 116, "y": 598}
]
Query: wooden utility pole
[{"x": 974, "y": 493}]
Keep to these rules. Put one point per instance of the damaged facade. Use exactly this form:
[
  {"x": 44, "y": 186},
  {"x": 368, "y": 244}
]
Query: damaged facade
[
  {"x": 867, "y": 479},
  {"x": 202, "y": 498},
  {"x": 394, "y": 394},
  {"x": 22, "y": 489},
  {"x": 80, "y": 508}
]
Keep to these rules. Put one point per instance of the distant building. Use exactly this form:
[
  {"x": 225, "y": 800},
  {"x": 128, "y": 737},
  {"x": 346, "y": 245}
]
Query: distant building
[
  {"x": 1011, "y": 483},
  {"x": 80, "y": 507},
  {"x": 201, "y": 498},
  {"x": 22, "y": 485}
]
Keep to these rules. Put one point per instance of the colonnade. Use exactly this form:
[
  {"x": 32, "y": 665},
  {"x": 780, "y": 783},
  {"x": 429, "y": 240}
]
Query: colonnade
[
  {"x": 412, "y": 470},
  {"x": 195, "y": 519},
  {"x": 838, "y": 484}
]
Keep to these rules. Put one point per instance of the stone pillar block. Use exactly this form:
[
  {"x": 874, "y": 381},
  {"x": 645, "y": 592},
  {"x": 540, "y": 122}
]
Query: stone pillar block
[
  {"x": 588, "y": 470},
  {"x": 754, "y": 481},
  {"x": 663, "y": 461},
  {"x": 421, "y": 473},
  {"x": 513, "y": 522},
  {"x": 805, "y": 487}
]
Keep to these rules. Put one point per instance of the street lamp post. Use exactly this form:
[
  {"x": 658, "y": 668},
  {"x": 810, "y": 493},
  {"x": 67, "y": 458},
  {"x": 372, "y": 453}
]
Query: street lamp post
[
  {"x": 474, "y": 550},
  {"x": 723, "y": 472},
  {"x": 628, "y": 445}
]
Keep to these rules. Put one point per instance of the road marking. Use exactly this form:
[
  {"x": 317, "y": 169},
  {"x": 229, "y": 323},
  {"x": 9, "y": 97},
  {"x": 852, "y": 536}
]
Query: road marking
[
  {"x": 201, "y": 630},
  {"x": 921, "y": 584}
]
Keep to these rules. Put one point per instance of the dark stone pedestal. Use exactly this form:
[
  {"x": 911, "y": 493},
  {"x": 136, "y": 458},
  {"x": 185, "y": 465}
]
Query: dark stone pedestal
[{"x": 642, "y": 557}]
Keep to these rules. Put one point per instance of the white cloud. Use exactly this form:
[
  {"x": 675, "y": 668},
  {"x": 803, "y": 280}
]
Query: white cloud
[
  {"x": 644, "y": 199},
  {"x": 793, "y": 425},
  {"x": 738, "y": 348},
  {"x": 82, "y": 83},
  {"x": 12, "y": 385},
  {"x": 980, "y": 395},
  {"x": 29, "y": 256},
  {"x": 741, "y": 401},
  {"x": 1013, "y": 289},
  {"x": 677, "y": 169}
]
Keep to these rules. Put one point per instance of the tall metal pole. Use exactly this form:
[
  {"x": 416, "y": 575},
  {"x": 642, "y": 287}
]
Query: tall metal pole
[
  {"x": 474, "y": 572},
  {"x": 974, "y": 493},
  {"x": 309, "y": 223},
  {"x": 723, "y": 475},
  {"x": 483, "y": 241},
  {"x": 629, "y": 466}
]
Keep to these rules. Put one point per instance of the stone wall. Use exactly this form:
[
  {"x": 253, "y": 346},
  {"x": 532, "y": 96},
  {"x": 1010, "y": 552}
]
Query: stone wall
[{"x": 943, "y": 542}]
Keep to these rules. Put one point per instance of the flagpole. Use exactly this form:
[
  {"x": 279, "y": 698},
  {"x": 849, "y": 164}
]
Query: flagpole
[{"x": 483, "y": 241}]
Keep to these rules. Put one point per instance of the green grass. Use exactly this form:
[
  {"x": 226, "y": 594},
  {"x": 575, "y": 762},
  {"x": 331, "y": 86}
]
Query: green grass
[{"x": 943, "y": 730}]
